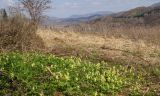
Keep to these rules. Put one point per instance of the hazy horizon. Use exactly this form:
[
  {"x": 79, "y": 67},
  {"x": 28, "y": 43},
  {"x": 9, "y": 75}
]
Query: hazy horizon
[{"x": 67, "y": 8}]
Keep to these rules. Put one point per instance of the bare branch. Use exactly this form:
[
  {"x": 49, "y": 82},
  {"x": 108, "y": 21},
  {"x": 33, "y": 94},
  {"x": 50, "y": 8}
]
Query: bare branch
[{"x": 36, "y": 8}]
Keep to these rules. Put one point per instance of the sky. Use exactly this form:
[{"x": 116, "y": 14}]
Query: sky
[{"x": 66, "y": 8}]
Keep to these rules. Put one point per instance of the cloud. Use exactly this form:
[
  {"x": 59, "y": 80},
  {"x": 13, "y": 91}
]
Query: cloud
[
  {"x": 71, "y": 5},
  {"x": 96, "y": 3},
  {"x": 8, "y": 2}
]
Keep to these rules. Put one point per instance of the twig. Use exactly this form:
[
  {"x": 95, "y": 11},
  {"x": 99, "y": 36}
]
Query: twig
[
  {"x": 146, "y": 91},
  {"x": 50, "y": 71}
]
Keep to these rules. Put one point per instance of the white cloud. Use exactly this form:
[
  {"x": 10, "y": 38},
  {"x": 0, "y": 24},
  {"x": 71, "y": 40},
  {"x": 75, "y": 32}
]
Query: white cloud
[
  {"x": 96, "y": 3},
  {"x": 71, "y": 5},
  {"x": 8, "y": 2}
]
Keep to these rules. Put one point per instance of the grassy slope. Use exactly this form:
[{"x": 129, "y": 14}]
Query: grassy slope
[
  {"x": 44, "y": 74},
  {"x": 141, "y": 55}
]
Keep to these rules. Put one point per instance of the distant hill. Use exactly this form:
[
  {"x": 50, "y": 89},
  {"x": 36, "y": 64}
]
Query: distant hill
[
  {"x": 155, "y": 5},
  {"x": 138, "y": 16},
  {"x": 132, "y": 13},
  {"x": 99, "y": 13},
  {"x": 141, "y": 15},
  {"x": 74, "y": 19}
]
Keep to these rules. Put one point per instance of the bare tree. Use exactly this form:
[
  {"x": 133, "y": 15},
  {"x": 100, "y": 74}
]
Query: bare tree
[{"x": 36, "y": 8}]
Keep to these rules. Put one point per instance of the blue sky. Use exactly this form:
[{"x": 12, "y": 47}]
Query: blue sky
[{"x": 66, "y": 8}]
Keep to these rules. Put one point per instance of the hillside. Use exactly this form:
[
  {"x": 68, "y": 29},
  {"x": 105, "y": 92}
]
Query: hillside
[
  {"x": 131, "y": 13},
  {"x": 156, "y": 5},
  {"x": 142, "y": 15},
  {"x": 149, "y": 15}
]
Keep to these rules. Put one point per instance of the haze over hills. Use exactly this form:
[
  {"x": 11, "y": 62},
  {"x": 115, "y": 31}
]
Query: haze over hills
[
  {"x": 99, "y": 13},
  {"x": 74, "y": 19}
]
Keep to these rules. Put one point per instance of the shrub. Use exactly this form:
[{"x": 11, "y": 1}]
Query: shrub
[{"x": 17, "y": 33}]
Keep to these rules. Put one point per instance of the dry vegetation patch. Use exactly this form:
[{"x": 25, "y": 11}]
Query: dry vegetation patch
[
  {"x": 17, "y": 33},
  {"x": 106, "y": 48}
]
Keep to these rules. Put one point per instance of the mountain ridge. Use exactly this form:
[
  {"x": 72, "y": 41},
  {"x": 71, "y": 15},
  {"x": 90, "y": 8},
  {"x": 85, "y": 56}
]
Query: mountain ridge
[
  {"x": 74, "y": 19},
  {"x": 141, "y": 15}
]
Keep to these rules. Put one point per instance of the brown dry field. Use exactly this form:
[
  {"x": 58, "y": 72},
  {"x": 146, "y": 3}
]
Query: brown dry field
[{"x": 101, "y": 47}]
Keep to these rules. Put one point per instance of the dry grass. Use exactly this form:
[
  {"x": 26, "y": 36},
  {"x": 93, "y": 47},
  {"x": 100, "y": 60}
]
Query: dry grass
[
  {"x": 18, "y": 33},
  {"x": 101, "y": 47},
  {"x": 149, "y": 34}
]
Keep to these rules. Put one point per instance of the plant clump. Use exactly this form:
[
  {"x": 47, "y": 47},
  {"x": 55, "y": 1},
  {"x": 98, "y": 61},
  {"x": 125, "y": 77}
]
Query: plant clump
[
  {"x": 18, "y": 33},
  {"x": 44, "y": 74}
]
